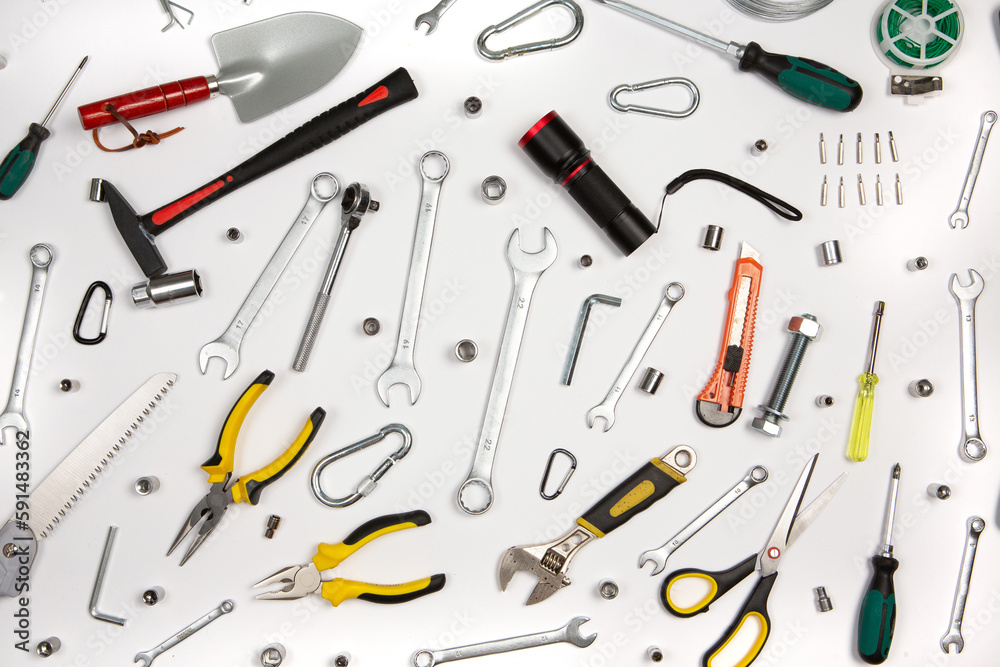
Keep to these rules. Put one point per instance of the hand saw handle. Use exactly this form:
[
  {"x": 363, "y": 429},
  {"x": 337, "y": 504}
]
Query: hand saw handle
[{"x": 147, "y": 102}]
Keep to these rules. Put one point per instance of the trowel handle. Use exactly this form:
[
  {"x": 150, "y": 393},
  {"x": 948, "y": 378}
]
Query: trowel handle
[{"x": 148, "y": 101}]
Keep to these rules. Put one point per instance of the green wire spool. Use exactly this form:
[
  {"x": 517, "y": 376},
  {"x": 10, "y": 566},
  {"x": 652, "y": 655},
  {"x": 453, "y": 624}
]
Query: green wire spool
[{"x": 918, "y": 34}]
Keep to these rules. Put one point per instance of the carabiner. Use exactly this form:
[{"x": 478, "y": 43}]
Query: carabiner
[
  {"x": 531, "y": 47},
  {"x": 108, "y": 298},
  {"x": 654, "y": 111},
  {"x": 368, "y": 483},
  {"x": 548, "y": 469}
]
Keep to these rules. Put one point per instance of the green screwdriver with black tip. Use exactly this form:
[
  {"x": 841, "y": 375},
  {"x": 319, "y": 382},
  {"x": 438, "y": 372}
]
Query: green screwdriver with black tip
[
  {"x": 878, "y": 609},
  {"x": 20, "y": 160}
]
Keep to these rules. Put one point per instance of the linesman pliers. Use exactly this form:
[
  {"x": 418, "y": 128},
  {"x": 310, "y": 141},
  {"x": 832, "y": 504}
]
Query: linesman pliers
[
  {"x": 299, "y": 581},
  {"x": 219, "y": 467}
]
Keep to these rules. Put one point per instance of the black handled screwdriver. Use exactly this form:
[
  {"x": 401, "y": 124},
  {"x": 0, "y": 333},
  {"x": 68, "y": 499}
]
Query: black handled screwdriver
[
  {"x": 805, "y": 79},
  {"x": 878, "y": 609},
  {"x": 21, "y": 159}
]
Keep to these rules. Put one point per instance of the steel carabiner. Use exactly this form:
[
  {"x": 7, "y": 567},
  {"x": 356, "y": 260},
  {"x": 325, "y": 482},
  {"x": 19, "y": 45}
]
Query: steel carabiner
[
  {"x": 369, "y": 483},
  {"x": 531, "y": 47},
  {"x": 108, "y": 298},
  {"x": 654, "y": 111},
  {"x": 548, "y": 469}
]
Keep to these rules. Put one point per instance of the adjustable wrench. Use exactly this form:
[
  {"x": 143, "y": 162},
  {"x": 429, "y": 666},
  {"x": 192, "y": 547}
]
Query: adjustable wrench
[
  {"x": 227, "y": 346},
  {"x": 961, "y": 214},
  {"x": 569, "y": 633},
  {"x": 954, "y": 634},
  {"x": 673, "y": 293},
  {"x": 147, "y": 657},
  {"x": 528, "y": 268},
  {"x": 402, "y": 370},
  {"x": 972, "y": 443},
  {"x": 41, "y": 256},
  {"x": 432, "y": 17}
]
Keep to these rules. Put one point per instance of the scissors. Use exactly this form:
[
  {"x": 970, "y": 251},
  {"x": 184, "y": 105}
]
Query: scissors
[{"x": 791, "y": 524}]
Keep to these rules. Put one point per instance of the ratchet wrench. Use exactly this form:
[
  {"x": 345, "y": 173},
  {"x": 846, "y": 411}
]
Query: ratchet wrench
[
  {"x": 569, "y": 633},
  {"x": 432, "y": 17},
  {"x": 527, "y": 267},
  {"x": 972, "y": 443},
  {"x": 961, "y": 214},
  {"x": 227, "y": 346},
  {"x": 673, "y": 293},
  {"x": 954, "y": 634},
  {"x": 401, "y": 370},
  {"x": 147, "y": 657},
  {"x": 41, "y": 257},
  {"x": 659, "y": 556}
]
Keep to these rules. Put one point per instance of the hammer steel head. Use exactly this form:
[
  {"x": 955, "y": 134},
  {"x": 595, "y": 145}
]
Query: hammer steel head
[
  {"x": 531, "y": 262},
  {"x": 970, "y": 291}
]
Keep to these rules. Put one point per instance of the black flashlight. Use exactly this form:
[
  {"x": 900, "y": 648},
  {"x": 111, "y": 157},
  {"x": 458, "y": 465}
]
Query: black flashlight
[{"x": 560, "y": 153}]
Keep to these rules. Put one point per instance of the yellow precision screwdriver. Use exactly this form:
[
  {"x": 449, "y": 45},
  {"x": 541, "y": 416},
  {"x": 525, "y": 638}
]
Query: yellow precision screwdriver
[{"x": 857, "y": 448}]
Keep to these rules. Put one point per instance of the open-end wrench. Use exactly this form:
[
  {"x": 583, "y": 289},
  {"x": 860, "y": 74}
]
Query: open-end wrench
[
  {"x": 41, "y": 256},
  {"x": 961, "y": 214},
  {"x": 569, "y": 633},
  {"x": 147, "y": 657},
  {"x": 954, "y": 634},
  {"x": 402, "y": 370},
  {"x": 972, "y": 443},
  {"x": 673, "y": 293},
  {"x": 659, "y": 556},
  {"x": 528, "y": 267},
  {"x": 432, "y": 17},
  {"x": 324, "y": 188}
]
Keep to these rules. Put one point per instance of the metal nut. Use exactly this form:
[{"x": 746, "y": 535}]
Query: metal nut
[
  {"x": 473, "y": 107},
  {"x": 152, "y": 596},
  {"x": 804, "y": 326},
  {"x": 235, "y": 235},
  {"x": 586, "y": 261},
  {"x": 371, "y": 326},
  {"x": 272, "y": 655},
  {"x": 921, "y": 388},
  {"x": 147, "y": 485},
  {"x": 939, "y": 491},
  {"x": 493, "y": 189},
  {"x": 608, "y": 589},
  {"x": 47, "y": 647},
  {"x": 466, "y": 350},
  {"x": 758, "y": 147}
]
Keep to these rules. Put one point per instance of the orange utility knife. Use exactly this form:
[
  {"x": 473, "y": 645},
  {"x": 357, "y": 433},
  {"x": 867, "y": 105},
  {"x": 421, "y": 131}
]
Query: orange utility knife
[{"x": 721, "y": 401}]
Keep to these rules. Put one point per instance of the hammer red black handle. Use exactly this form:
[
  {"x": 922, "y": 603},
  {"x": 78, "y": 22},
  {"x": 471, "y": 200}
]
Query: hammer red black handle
[
  {"x": 390, "y": 92},
  {"x": 145, "y": 102}
]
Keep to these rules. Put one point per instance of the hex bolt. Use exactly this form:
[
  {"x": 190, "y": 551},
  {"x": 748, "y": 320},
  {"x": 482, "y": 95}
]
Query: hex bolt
[
  {"x": 654, "y": 654},
  {"x": 921, "y": 388},
  {"x": 371, "y": 326},
  {"x": 153, "y": 595},
  {"x": 824, "y": 401},
  {"x": 939, "y": 491},
  {"x": 273, "y": 522},
  {"x": 342, "y": 660},
  {"x": 804, "y": 330},
  {"x": 47, "y": 647},
  {"x": 608, "y": 589},
  {"x": 822, "y": 600}
]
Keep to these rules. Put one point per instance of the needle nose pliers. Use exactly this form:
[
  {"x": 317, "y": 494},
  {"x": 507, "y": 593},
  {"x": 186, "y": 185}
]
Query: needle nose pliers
[
  {"x": 219, "y": 467},
  {"x": 299, "y": 581}
]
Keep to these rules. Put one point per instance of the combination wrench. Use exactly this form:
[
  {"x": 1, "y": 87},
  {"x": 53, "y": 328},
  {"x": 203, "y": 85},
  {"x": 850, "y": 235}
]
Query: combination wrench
[
  {"x": 954, "y": 634},
  {"x": 432, "y": 17},
  {"x": 147, "y": 657},
  {"x": 401, "y": 370},
  {"x": 323, "y": 189},
  {"x": 41, "y": 257},
  {"x": 527, "y": 268},
  {"x": 961, "y": 214},
  {"x": 659, "y": 556},
  {"x": 972, "y": 443},
  {"x": 569, "y": 633},
  {"x": 673, "y": 293}
]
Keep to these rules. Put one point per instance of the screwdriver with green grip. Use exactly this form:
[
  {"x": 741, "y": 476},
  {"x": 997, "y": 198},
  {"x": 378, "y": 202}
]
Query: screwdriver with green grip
[
  {"x": 16, "y": 167},
  {"x": 878, "y": 609},
  {"x": 861, "y": 426},
  {"x": 804, "y": 79}
]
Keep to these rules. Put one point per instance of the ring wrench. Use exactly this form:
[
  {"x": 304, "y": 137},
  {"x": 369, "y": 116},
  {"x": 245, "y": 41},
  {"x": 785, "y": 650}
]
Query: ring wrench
[
  {"x": 972, "y": 443},
  {"x": 673, "y": 293},
  {"x": 401, "y": 370},
  {"x": 961, "y": 214},
  {"x": 954, "y": 634},
  {"x": 569, "y": 633},
  {"x": 323, "y": 189},
  {"x": 432, "y": 17},
  {"x": 527, "y": 267},
  {"x": 41, "y": 257},
  {"x": 147, "y": 657},
  {"x": 659, "y": 556}
]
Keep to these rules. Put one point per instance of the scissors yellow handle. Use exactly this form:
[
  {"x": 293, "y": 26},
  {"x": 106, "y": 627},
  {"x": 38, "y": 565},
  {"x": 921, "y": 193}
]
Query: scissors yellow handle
[{"x": 719, "y": 584}]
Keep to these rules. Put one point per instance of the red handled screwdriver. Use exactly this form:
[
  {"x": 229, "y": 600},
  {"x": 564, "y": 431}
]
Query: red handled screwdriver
[{"x": 21, "y": 159}]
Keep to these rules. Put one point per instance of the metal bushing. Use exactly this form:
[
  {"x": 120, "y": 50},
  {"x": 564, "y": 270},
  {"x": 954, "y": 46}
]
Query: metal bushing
[
  {"x": 831, "y": 253},
  {"x": 466, "y": 350},
  {"x": 918, "y": 264},
  {"x": 713, "y": 237},
  {"x": 651, "y": 380}
]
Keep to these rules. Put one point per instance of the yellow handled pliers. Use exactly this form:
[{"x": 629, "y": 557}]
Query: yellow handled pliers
[
  {"x": 299, "y": 581},
  {"x": 219, "y": 466}
]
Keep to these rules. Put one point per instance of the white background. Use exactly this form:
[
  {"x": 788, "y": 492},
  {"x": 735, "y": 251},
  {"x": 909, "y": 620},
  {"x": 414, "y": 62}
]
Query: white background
[{"x": 468, "y": 288}]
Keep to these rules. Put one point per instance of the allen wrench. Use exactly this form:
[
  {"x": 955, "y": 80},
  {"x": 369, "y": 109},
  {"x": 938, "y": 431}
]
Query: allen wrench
[
  {"x": 168, "y": 7},
  {"x": 655, "y": 111},
  {"x": 548, "y": 469},
  {"x": 108, "y": 298},
  {"x": 95, "y": 596},
  {"x": 369, "y": 482},
  {"x": 581, "y": 326}
]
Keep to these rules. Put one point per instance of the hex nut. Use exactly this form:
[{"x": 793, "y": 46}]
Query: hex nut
[
  {"x": 493, "y": 189},
  {"x": 766, "y": 427},
  {"x": 608, "y": 589},
  {"x": 805, "y": 326},
  {"x": 371, "y": 326}
]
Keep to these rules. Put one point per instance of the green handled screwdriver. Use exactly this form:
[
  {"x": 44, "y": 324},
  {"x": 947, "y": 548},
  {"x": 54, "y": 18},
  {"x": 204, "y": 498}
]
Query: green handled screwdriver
[
  {"x": 21, "y": 159},
  {"x": 878, "y": 609},
  {"x": 861, "y": 426},
  {"x": 807, "y": 80}
]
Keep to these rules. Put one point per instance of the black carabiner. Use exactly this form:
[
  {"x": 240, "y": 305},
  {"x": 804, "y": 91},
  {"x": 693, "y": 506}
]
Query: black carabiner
[
  {"x": 548, "y": 469},
  {"x": 108, "y": 298}
]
